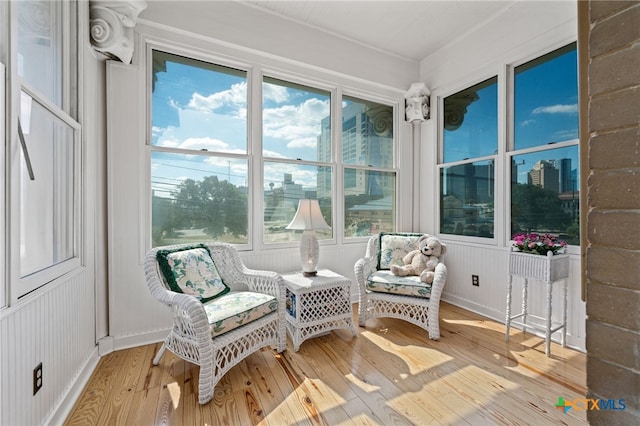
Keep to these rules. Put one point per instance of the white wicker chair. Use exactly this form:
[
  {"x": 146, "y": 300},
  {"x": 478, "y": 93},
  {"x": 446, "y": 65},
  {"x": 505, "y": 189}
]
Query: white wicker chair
[
  {"x": 421, "y": 311},
  {"x": 190, "y": 337}
]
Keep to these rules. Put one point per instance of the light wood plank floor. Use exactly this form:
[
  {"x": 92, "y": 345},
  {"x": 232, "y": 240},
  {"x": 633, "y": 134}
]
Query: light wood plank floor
[{"x": 390, "y": 374}]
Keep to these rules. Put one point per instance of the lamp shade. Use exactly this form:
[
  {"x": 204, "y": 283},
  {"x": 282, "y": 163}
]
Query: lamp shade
[{"x": 308, "y": 216}]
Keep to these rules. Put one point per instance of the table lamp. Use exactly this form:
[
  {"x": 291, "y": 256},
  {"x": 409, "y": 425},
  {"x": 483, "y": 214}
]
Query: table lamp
[{"x": 309, "y": 218}]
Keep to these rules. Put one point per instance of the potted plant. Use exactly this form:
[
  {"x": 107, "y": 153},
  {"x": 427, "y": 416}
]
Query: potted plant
[
  {"x": 538, "y": 243},
  {"x": 539, "y": 256}
]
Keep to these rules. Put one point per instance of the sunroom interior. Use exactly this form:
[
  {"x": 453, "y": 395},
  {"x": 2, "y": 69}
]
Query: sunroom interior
[{"x": 141, "y": 124}]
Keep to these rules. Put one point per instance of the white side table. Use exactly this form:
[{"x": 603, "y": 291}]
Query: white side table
[
  {"x": 547, "y": 269},
  {"x": 316, "y": 305}
]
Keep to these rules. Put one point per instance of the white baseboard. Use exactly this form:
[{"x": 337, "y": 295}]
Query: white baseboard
[
  {"x": 148, "y": 338},
  {"x": 59, "y": 415},
  {"x": 105, "y": 345}
]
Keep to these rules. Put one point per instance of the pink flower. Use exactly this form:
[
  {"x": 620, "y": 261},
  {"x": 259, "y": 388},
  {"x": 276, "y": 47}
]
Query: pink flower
[{"x": 538, "y": 243}]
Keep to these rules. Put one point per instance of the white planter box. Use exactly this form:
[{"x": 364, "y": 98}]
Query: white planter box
[
  {"x": 539, "y": 267},
  {"x": 548, "y": 269}
]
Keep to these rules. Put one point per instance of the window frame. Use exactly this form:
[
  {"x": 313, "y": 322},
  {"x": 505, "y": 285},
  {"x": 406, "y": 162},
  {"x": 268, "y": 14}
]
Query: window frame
[
  {"x": 149, "y": 148},
  {"x": 256, "y": 68},
  {"x": 509, "y": 146},
  {"x": 479, "y": 78},
  {"x": 272, "y": 74},
  {"x": 505, "y": 72},
  {"x": 20, "y": 287}
]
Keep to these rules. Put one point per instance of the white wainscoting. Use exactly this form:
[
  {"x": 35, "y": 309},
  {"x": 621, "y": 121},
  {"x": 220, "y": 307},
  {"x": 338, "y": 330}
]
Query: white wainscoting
[
  {"x": 55, "y": 326},
  {"x": 150, "y": 320},
  {"x": 489, "y": 298}
]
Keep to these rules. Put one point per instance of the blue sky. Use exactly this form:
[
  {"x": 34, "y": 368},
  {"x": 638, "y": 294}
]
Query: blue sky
[
  {"x": 545, "y": 112},
  {"x": 199, "y": 108},
  {"x": 203, "y": 108}
]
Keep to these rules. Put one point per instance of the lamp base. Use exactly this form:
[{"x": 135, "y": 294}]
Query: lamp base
[{"x": 309, "y": 274}]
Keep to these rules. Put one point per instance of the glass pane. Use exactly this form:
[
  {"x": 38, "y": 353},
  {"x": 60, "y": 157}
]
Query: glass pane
[
  {"x": 198, "y": 198},
  {"x": 47, "y": 203},
  {"x": 40, "y": 46},
  {"x": 370, "y": 202},
  {"x": 296, "y": 121},
  {"x": 546, "y": 99},
  {"x": 545, "y": 192},
  {"x": 284, "y": 185},
  {"x": 197, "y": 105},
  {"x": 467, "y": 199},
  {"x": 471, "y": 122},
  {"x": 367, "y": 133}
]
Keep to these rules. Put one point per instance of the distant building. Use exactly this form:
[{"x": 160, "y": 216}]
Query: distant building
[
  {"x": 566, "y": 176},
  {"x": 362, "y": 144},
  {"x": 545, "y": 174}
]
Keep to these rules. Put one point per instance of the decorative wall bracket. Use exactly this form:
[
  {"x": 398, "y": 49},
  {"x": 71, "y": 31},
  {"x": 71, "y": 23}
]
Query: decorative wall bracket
[
  {"x": 111, "y": 26},
  {"x": 416, "y": 102}
]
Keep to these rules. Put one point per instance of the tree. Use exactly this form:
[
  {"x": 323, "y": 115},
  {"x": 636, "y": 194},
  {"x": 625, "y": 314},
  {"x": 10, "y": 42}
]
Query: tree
[
  {"x": 534, "y": 208},
  {"x": 218, "y": 207}
]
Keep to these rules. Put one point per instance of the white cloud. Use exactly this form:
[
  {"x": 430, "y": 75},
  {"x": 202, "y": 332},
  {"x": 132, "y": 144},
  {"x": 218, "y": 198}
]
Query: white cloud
[
  {"x": 566, "y": 135},
  {"x": 210, "y": 144},
  {"x": 298, "y": 125},
  {"x": 275, "y": 93},
  {"x": 526, "y": 123},
  {"x": 311, "y": 142},
  {"x": 236, "y": 98},
  {"x": 173, "y": 103},
  {"x": 557, "y": 109},
  {"x": 272, "y": 154}
]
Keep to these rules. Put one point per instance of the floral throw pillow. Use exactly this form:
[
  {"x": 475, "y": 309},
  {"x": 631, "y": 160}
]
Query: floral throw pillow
[
  {"x": 191, "y": 271},
  {"x": 393, "y": 247}
]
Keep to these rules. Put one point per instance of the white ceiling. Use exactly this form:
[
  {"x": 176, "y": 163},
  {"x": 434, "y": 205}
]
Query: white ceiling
[{"x": 410, "y": 29}]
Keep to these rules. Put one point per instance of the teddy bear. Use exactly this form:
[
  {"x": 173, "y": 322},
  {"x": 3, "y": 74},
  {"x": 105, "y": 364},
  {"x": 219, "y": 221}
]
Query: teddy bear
[{"x": 423, "y": 261}]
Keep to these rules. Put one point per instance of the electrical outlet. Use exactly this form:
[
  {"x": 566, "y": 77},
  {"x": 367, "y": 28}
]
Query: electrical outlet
[
  {"x": 475, "y": 280},
  {"x": 37, "y": 378}
]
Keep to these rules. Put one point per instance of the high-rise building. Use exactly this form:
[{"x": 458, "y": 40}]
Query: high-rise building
[
  {"x": 566, "y": 176},
  {"x": 545, "y": 174}
]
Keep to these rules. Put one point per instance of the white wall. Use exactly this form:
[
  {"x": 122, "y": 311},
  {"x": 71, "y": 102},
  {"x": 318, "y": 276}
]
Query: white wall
[
  {"x": 523, "y": 31},
  {"x": 250, "y": 30}
]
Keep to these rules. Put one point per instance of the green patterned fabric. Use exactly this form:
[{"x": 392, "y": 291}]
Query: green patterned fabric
[
  {"x": 386, "y": 282},
  {"x": 192, "y": 271},
  {"x": 238, "y": 308},
  {"x": 395, "y": 246}
]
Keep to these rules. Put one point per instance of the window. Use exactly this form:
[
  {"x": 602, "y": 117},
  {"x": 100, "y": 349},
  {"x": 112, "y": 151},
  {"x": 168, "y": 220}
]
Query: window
[
  {"x": 207, "y": 170},
  {"x": 199, "y": 160},
  {"x": 540, "y": 153},
  {"x": 45, "y": 236},
  {"x": 544, "y": 162},
  {"x": 467, "y": 177},
  {"x": 297, "y": 148},
  {"x": 369, "y": 177}
]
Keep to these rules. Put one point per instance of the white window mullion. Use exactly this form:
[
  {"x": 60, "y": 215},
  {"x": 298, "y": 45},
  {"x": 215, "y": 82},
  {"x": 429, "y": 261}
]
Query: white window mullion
[{"x": 3, "y": 266}]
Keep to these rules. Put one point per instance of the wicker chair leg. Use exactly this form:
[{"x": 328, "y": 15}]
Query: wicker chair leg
[
  {"x": 156, "y": 359},
  {"x": 206, "y": 382}
]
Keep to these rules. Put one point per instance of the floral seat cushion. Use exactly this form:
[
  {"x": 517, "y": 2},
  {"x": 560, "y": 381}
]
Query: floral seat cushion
[
  {"x": 192, "y": 271},
  {"x": 386, "y": 282},
  {"x": 237, "y": 308}
]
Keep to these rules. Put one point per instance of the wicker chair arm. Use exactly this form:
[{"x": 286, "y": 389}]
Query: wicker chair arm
[
  {"x": 439, "y": 281},
  {"x": 186, "y": 306},
  {"x": 362, "y": 269},
  {"x": 267, "y": 282}
]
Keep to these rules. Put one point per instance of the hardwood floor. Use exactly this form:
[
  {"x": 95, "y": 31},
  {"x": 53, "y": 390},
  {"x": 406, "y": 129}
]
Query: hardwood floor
[{"x": 390, "y": 374}]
